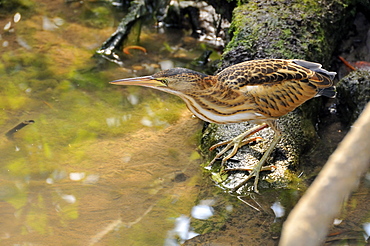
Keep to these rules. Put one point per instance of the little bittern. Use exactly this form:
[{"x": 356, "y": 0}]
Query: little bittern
[{"x": 257, "y": 91}]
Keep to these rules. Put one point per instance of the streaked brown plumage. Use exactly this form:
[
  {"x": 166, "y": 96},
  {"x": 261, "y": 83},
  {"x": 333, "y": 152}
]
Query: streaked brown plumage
[{"x": 258, "y": 91}]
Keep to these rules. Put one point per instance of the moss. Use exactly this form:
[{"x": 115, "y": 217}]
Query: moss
[
  {"x": 209, "y": 138},
  {"x": 239, "y": 29},
  {"x": 288, "y": 29}
]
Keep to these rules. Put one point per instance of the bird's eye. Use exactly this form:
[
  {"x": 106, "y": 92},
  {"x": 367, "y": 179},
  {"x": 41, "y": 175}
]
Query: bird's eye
[{"x": 164, "y": 81}]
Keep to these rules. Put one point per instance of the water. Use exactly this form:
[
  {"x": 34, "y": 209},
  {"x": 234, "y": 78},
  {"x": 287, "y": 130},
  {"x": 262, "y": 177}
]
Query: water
[
  {"x": 101, "y": 164},
  {"x": 104, "y": 164}
]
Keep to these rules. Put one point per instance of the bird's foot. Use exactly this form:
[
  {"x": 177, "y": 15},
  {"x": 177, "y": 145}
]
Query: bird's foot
[
  {"x": 235, "y": 144},
  {"x": 254, "y": 172},
  {"x": 244, "y": 139}
]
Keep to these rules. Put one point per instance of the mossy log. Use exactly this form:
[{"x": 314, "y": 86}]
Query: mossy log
[{"x": 309, "y": 30}]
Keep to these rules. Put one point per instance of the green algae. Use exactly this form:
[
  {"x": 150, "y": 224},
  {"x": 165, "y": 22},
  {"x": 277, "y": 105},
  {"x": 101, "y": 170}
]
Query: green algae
[
  {"x": 84, "y": 124},
  {"x": 98, "y": 17},
  {"x": 69, "y": 109},
  {"x": 8, "y": 6}
]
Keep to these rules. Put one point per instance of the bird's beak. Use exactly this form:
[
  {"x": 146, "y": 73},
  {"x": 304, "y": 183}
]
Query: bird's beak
[{"x": 147, "y": 81}]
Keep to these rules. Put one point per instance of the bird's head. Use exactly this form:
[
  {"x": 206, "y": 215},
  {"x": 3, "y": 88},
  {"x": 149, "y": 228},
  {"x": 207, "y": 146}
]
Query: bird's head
[{"x": 174, "y": 80}]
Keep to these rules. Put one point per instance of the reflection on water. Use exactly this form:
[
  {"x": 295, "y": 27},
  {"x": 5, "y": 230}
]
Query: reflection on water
[
  {"x": 101, "y": 165},
  {"x": 278, "y": 209},
  {"x": 182, "y": 229},
  {"x": 202, "y": 211},
  {"x": 367, "y": 231}
]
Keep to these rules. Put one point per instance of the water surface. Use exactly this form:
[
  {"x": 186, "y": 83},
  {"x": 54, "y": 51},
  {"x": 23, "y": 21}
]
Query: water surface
[{"x": 101, "y": 164}]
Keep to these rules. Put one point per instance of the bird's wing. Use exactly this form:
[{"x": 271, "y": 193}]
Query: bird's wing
[
  {"x": 274, "y": 71},
  {"x": 276, "y": 87}
]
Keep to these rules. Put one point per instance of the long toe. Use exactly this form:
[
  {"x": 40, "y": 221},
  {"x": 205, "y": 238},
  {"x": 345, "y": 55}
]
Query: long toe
[
  {"x": 219, "y": 154},
  {"x": 220, "y": 144},
  {"x": 231, "y": 154},
  {"x": 254, "y": 173},
  {"x": 236, "y": 143}
]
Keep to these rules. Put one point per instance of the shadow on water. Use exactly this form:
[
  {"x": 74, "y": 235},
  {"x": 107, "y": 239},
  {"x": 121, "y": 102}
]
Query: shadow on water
[{"x": 100, "y": 165}]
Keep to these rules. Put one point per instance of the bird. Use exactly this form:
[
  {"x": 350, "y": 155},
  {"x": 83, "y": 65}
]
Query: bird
[{"x": 255, "y": 91}]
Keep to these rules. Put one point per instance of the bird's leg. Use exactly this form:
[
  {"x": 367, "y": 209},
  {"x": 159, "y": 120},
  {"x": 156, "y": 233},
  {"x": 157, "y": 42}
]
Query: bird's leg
[
  {"x": 256, "y": 170},
  {"x": 236, "y": 143}
]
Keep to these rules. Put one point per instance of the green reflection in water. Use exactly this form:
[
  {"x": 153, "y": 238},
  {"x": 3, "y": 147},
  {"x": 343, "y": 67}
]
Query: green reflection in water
[{"x": 128, "y": 142}]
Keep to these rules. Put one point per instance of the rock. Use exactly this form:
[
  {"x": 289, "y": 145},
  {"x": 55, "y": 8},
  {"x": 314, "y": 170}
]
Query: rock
[{"x": 353, "y": 95}]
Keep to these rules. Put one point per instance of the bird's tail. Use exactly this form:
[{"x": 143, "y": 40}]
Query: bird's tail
[
  {"x": 316, "y": 67},
  {"x": 324, "y": 78},
  {"x": 327, "y": 92}
]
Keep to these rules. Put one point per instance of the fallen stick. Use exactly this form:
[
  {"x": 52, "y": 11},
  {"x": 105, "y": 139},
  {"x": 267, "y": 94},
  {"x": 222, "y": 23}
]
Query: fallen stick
[{"x": 310, "y": 220}]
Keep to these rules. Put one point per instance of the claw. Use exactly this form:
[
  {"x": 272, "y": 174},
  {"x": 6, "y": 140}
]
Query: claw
[
  {"x": 255, "y": 173},
  {"x": 252, "y": 172},
  {"x": 244, "y": 139},
  {"x": 236, "y": 143},
  {"x": 259, "y": 167}
]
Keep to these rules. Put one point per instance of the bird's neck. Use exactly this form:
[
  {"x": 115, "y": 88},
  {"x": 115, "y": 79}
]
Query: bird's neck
[{"x": 207, "y": 82}]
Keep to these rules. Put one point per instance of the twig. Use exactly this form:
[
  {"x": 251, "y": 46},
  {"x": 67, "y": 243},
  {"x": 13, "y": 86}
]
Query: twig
[{"x": 11, "y": 132}]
